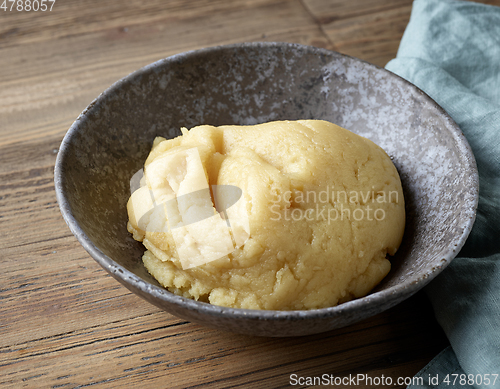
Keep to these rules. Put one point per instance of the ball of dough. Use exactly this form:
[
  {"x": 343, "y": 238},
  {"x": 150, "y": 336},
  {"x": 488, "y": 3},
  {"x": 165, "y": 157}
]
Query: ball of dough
[{"x": 286, "y": 215}]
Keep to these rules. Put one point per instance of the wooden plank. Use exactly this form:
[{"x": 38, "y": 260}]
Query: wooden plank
[
  {"x": 157, "y": 346},
  {"x": 369, "y": 30},
  {"x": 374, "y": 37},
  {"x": 327, "y": 12},
  {"x": 40, "y": 103},
  {"x": 74, "y": 18}
]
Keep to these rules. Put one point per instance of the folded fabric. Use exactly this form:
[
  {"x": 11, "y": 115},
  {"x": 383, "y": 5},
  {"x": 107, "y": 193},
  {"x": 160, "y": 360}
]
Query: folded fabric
[{"x": 451, "y": 50}]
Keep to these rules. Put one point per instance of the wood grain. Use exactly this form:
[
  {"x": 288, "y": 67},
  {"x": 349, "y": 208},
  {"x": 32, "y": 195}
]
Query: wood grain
[{"x": 64, "y": 322}]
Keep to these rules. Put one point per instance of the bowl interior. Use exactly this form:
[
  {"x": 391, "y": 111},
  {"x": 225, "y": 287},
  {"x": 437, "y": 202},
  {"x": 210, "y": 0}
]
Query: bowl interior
[{"x": 255, "y": 83}]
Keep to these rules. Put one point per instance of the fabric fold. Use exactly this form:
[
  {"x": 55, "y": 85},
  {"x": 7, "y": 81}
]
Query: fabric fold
[{"x": 451, "y": 50}]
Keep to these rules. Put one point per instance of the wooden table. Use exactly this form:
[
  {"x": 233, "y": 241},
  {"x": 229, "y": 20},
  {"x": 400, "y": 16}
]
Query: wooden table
[{"x": 64, "y": 322}]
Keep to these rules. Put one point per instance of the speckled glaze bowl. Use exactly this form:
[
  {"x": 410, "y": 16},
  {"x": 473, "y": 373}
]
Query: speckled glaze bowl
[{"x": 253, "y": 83}]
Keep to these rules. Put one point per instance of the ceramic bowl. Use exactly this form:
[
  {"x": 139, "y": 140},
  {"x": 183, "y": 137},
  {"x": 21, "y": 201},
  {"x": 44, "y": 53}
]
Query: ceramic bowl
[{"x": 253, "y": 83}]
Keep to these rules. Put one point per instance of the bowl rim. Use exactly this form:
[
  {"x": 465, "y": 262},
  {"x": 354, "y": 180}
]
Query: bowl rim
[{"x": 135, "y": 283}]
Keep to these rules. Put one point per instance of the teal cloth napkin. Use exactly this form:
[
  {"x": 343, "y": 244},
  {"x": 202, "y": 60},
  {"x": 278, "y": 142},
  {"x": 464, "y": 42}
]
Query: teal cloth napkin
[{"x": 451, "y": 50}]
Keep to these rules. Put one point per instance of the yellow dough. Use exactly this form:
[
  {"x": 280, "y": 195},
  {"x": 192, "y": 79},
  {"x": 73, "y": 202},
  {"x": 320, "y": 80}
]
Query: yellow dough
[{"x": 284, "y": 215}]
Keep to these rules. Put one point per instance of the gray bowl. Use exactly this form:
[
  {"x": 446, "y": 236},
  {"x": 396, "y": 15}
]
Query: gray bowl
[{"x": 253, "y": 83}]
